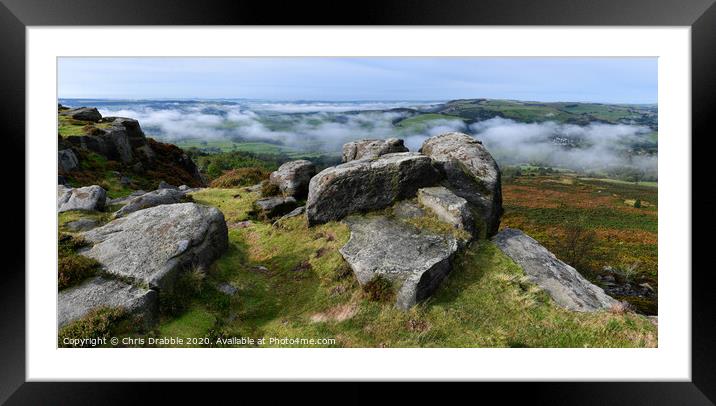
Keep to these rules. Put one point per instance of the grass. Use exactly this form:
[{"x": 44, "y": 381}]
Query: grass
[
  {"x": 100, "y": 323},
  {"x": 240, "y": 177},
  {"x": 73, "y": 268},
  {"x": 292, "y": 282},
  {"x": 69, "y": 127}
]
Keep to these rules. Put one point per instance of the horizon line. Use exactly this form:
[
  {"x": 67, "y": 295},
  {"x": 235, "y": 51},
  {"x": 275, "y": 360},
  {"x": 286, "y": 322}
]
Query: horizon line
[{"x": 348, "y": 100}]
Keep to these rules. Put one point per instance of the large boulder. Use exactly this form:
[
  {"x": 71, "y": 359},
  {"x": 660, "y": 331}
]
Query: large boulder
[
  {"x": 153, "y": 246},
  {"x": 416, "y": 261},
  {"x": 470, "y": 172},
  {"x": 567, "y": 287},
  {"x": 67, "y": 160},
  {"x": 448, "y": 207},
  {"x": 77, "y": 301},
  {"x": 84, "y": 198},
  {"x": 83, "y": 113},
  {"x": 367, "y": 184},
  {"x": 371, "y": 148},
  {"x": 292, "y": 178},
  {"x": 273, "y": 206},
  {"x": 151, "y": 199}
]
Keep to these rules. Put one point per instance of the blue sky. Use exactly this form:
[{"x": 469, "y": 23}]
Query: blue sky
[{"x": 607, "y": 80}]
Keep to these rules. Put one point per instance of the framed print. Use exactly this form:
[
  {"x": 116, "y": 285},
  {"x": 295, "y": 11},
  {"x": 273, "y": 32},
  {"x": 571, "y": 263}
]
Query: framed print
[{"x": 428, "y": 194}]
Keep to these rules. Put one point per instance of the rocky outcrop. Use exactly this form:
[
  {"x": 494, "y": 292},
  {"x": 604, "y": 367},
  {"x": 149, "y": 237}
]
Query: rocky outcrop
[
  {"x": 122, "y": 139},
  {"x": 371, "y": 148},
  {"x": 292, "y": 178},
  {"x": 84, "y": 198},
  {"x": 77, "y": 301},
  {"x": 115, "y": 142},
  {"x": 471, "y": 173},
  {"x": 82, "y": 113},
  {"x": 151, "y": 199},
  {"x": 153, "y": 246},
  {"x": 448, "y": 207},
  {"x": 564, "y": 284},
  {"x": 415, "y": 261},
  {"x": 274, "y": 206},
  {"x": 67, "y": 160},
  {"x": 367, "y": 184}
]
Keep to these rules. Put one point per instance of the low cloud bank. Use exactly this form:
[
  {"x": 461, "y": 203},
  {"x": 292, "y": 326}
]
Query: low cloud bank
[
  {"x": 593, "y": 146},
  {"x": 327, "y": 126}
]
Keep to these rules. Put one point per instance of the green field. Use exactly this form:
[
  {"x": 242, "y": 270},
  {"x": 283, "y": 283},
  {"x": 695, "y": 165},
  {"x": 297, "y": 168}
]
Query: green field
[{"x": 576, "y": 113}]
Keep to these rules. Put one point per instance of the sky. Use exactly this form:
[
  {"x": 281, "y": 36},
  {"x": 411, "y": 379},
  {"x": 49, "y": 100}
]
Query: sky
[{"x": 604, "y": 80}]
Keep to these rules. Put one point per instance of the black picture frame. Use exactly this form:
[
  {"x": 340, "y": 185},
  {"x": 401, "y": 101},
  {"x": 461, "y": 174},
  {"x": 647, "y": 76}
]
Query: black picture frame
[{"x": 16, "y": 15}]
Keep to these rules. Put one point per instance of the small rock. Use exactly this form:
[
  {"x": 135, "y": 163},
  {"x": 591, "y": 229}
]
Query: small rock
[
  {"x": 294, "y": 213},
  {"x": 67, "y": 160},
  {"x": 82, "y": 224},
  {"x": 83, "y": 113},
  {"x": 646, "y": 286},
  {"x": 151, "y": 199},
  {"x": 242, "y": 224},
  {"x": 254, "y": 188},
  {"x": 85, "y": 198},
  {"x": 184, "y": 188},
  {"x": 292, "y": 178},
  {"x": 274, "y": 206},
  {"x": 448, "y": 207},
  {"x": 165, "y": 185},
  {"x": 227, "y": 289},
  {"x": 407, "y": 209},
  {"x": 371, "y": 148}
]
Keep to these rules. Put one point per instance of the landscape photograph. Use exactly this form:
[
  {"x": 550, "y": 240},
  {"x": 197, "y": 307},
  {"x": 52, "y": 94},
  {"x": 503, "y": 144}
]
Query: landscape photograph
[{"x": 357, "y": 202}]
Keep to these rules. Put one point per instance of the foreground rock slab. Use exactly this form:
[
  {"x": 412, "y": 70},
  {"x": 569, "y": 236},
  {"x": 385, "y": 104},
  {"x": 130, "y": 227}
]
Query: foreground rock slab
[
  {"x": 85, "y": 198},
  {"x": 292, "y": 178},
  {"x": 152, "y": 246},
  {"x": 77, "y": 301},
  {"x": 416, "y": 261},
  {"x": 151, "y": 199},
  {"x": 470, "y": 172},
  {"x": 367, "y": 184},
  {"x": 567, "y": 287},
  {"x": 371, "y": 148},
  {"x": 448, "y": 207}
]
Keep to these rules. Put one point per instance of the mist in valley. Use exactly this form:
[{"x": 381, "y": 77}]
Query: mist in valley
[{"x": 325, "y": 126}]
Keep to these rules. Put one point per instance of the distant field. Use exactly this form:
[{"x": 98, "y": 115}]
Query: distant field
[
  {"x": 253, "y": 147},
  {"x": 597, "y": 180},
  {"x": 626, "y": 237},
  {"x": 578, "y": 113},
  {"x": 420, "y": 122}
]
